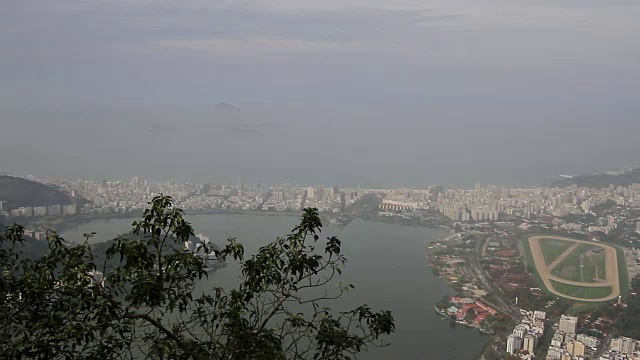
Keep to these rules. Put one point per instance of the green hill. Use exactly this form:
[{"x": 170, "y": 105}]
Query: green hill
[
  {"x": 599, "y": 181},
  {"x": 19, "y": 192}
]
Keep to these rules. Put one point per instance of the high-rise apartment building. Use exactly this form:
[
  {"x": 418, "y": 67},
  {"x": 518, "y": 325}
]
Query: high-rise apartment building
[
  {"x": 69, "y": 209},
  {"x": 54, "y": 210},
  {"x": 578, "y": 348},
  {"x": 521, "y": 330},
  {"x": 568, "y": 324},
  {"x": 623, "y": 345},
  {"x": 511, "y": 344},
  {"x": 514, "y": 344},
  {"x": 529, "y": 343},
  {"x": 616, "y": 344},
  {"x": 538, "y": 319}
]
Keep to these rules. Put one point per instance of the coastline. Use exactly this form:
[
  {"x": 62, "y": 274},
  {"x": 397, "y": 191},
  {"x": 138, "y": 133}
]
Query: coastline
[
  {"x": 340, "y": 221},
  {"x": 439, "y": 309},
  {"x": 64, "y": 221},
  {"x": 442, "y": 234}
]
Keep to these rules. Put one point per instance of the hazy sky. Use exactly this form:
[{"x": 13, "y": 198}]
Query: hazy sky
[{"x": 390, "y": 92}]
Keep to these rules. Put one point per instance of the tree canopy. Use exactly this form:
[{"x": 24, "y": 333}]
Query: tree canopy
[{"x": 139, "y": 302}]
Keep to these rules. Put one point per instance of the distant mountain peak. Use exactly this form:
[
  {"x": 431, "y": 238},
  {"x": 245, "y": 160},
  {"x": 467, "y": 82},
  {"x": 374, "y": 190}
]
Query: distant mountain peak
[{"x": 225, "y": 106}]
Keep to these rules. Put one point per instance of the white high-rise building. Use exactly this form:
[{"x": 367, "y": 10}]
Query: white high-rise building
[
  {"x": 511, "y": 344},
  {"x": 520, "y": 331},
  {"x": 538, "y": 319},
  {"x": 518, "y": 343},
  {"x": 26, "y": 211},
  {"x": 310, "y": 193},
  {"x": 529, "y": 343},
  {"x": 54, "y": 210},
  {"x": 629, "y": 346},
  {"x": 330, "y": 193},
  {"x": 623, "y": 345},
  {"x": 40, "y": 211},
  {"x": 69, "y": 209},
  {"x": 568, "y": 324},
  {"x": 514, "y": 344}
]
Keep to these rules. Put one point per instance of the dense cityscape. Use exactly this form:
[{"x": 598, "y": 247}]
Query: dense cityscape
[
  {"x": 483, "y": 257},
  {"x": 490, "y": 203}
]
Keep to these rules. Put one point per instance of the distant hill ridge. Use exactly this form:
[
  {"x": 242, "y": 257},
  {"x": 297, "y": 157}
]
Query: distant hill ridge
[
  {"x": 224, "y": 105},
  {"x": 599, "y": 181},
  {"x": 19, "y": 192}
]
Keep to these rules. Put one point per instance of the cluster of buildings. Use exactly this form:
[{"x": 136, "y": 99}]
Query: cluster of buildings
[
  {"x": 490, "y": 203},
  {"x": 397, "y": 205},
  {"x": 329, "y": 199},
  {"x": 622, "y": 348},
  {"x": 31, "y": 211},
  {"x": 493, "y": 203},
  {"x": 480, "y": 204},
  {"x": 469, "y": 311},
  {"x": 36, "y": 234},
  {"x": 566, "y": 345},
  {"x": 525, "y": 336},
  {"x": 124, "y": 196}
]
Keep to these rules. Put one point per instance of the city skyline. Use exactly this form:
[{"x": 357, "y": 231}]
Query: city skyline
[
  {"x": 237, "y": 180},
  {"x": 482, "y": 203}
]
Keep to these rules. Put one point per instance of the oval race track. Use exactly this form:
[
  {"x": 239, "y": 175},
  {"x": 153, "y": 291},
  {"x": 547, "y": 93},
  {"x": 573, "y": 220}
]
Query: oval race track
[{"x": 612, "y": 277}]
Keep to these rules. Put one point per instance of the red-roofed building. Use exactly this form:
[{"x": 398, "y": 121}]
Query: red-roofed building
[
  {"x": 480, "y": 310},
  {"x": 506, "y": 253}
]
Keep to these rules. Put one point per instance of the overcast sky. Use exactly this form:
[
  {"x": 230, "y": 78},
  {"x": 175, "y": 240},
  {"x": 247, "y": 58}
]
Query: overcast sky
[{"x": 388, "y": 72}]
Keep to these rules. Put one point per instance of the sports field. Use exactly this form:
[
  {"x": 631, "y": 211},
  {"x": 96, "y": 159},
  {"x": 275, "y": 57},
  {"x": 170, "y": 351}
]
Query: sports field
[
  {"x": 551, "y": 248},
  {"x": 576, "y": 269},
  {"x": 585, "y": 264}
]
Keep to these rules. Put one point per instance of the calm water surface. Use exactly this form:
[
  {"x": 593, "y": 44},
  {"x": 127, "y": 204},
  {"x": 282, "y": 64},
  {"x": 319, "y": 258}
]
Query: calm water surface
[{"x": 386, "y": 263}]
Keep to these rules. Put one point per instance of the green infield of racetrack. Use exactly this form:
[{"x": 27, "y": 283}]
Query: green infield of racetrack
[
  {"x": 591, "y": 264},
  {"x": 552, "y": 248},
  {"x": 582, "y": 292}
]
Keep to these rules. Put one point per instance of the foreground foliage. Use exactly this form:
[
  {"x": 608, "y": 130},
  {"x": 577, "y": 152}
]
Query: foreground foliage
[{"x": 140, "y": 302}]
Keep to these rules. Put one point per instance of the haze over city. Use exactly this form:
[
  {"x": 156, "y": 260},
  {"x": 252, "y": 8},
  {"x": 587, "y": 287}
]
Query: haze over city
[
  {"x": 376, "y": 93},
  {"x": 335, "y": 179}
]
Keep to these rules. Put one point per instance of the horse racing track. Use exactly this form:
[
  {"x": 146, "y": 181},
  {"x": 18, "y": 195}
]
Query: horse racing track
[{"x": 576, "y": 269}]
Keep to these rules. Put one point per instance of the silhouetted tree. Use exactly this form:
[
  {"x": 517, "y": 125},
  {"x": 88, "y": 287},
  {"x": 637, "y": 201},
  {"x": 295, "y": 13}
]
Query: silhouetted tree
[{"x": 65, "y": 305}]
